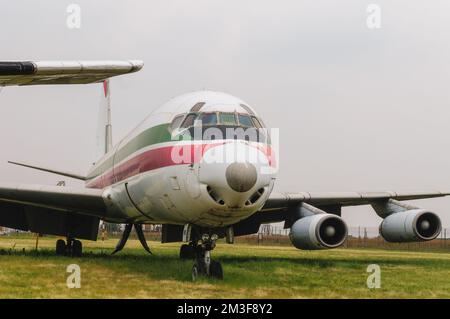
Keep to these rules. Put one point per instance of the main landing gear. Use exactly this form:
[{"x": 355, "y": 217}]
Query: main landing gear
[
  {"x": 72, "y": 247},
  {"x": 201, "y": 252}
]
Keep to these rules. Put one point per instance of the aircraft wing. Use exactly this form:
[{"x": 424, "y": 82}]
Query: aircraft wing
[
  {"x": 63, "y": 72},
  {"x": 85, "y": 200},
  {"x": 62, "y": 211},
  {"x": 281, "y": 207},
  {"x": 284, "y": 200},
  {"x": 55, "y": 210}
]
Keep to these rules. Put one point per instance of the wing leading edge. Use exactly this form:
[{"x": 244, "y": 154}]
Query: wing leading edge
[
  {"x": 283, "y": 200},
  {"x": 282, "y": 207}
]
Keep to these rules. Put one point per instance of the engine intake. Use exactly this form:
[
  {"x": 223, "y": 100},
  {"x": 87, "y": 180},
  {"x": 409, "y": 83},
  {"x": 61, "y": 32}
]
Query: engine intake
[
  {"x": 320, "y": 231},
  {"x": 410, "y": 226}
]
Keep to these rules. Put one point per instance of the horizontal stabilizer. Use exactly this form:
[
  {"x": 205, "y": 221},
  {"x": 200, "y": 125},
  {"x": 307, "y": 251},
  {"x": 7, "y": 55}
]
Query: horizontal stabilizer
[
  {"x": 63, "y": 72},
  {"x": 75, "y": 176}
]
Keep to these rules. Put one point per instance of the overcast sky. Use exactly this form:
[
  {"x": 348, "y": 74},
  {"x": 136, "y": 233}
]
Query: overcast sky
[{"x": 358, "y": 109}]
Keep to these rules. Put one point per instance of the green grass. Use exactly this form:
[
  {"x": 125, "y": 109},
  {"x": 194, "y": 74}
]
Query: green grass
[{"x": 250, "y": 272}]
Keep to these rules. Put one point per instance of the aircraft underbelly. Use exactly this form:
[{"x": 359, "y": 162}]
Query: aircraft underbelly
[{"x": 220, "y": 218}]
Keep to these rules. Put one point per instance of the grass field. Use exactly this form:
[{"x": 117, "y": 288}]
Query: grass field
[{"x": 250, "y": 272}]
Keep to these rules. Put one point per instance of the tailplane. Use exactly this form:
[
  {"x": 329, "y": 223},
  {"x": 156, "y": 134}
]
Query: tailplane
[{"x": 71, "y": 175}]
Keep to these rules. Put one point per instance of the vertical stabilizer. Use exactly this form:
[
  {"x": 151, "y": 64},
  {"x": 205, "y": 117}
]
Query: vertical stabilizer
[
  {"x": 104, "y": 130},
  {"x": 108, "y": 125}
]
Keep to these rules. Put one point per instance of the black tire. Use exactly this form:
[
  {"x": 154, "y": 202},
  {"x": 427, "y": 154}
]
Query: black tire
[
  {"x": 183, "y": 251},
  {"x": 61, "y": 247},
  {"x": 187, "y": 252},
  {"x": 77, "y": 248},
  {"x": 215, "y": 270}
]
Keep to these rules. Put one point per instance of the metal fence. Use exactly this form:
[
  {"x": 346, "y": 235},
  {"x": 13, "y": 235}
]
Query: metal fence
[{"x": 359, "y": 237}]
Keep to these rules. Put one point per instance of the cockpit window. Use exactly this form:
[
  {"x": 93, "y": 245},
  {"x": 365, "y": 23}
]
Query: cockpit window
[
  {"x": 227, "y": 119},
  {"x": 245, "y": 120},
  {"x": 256, "y": 122},
  {"x": 209, "y": 118},
  {"x": 217, "y": 119},
  {"x": 176, "y": 122},
  {"x": 247, "y": 127},
  {"x": 197, "y": 106},
  {"x": 249, "y": 110},
  {"x": 189, "y": 120}
]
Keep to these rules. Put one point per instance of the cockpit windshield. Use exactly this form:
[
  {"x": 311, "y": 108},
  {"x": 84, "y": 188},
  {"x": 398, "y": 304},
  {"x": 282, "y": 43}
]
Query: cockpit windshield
[
  {"x": 245, "y": 120},
  {"x": 216, "y": 119},
  {"x": 228, "y": 119},
  {"x": 220, "y": 121},
  {"x": 208, "y": 118}
]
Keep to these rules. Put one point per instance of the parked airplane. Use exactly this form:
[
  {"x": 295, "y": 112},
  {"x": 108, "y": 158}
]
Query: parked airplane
[{"x": 182, "y": 168}]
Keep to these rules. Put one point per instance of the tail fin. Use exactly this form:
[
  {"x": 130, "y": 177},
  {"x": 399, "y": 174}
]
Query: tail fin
[{"x": 104, "y": 130}]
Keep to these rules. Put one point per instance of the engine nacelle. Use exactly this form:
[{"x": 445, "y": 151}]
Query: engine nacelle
[
  {"x": 320, "y": 231},
  {"x": 411, "y": 225}
]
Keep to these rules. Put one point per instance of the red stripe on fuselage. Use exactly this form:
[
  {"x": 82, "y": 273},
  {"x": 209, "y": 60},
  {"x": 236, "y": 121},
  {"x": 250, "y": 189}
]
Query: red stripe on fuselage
[
  {"x": 162, "y": 157},
  {"x": 152, "y": 159}
]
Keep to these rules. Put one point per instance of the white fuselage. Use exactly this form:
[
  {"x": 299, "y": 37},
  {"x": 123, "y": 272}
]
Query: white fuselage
[{"x": 177, "y": 171}]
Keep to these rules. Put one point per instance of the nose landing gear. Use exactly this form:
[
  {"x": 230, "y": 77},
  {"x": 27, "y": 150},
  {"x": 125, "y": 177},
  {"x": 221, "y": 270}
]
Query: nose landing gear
[{"x": 203, "y": 265}]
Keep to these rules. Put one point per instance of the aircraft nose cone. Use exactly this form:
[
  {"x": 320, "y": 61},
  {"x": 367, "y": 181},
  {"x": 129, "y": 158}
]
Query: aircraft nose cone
[{"x": 241, "y": 177}]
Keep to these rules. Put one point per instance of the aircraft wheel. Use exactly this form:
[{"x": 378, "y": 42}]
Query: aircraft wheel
[
  {"x": 77, "y": 248},
  {"x": 61, "y": 247},
  {"x": 215, "y": 270},
  {"x": 187, "y": 252}
]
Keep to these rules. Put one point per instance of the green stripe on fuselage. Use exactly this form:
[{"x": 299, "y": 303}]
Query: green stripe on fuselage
[
  {"x": 151, "y": 136},
  {"x": 154, "y": 135}
]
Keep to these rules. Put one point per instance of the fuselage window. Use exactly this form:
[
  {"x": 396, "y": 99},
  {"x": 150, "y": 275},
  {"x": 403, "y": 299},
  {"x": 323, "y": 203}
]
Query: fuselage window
[
  {"x": 189, "y": 120},
  {"x": 176, "y": 122},
  {"x": 227, "y": 119},
  {"x": 209, "y": 118},
  {"x": 245, "y": 120}
]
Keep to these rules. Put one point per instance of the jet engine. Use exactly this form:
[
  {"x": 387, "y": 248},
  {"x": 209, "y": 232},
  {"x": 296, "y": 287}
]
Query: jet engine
[
  {"x": 410, "y": 225},
  {"x": 319, "y": 231}
]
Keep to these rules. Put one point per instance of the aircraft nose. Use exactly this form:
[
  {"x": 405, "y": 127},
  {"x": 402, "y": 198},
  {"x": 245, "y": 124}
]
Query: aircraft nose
[
  {"x": 241, "y": 177},
  {"x": 233, "y": 174}
]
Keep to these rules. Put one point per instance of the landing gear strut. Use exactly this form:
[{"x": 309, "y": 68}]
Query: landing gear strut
[
  {"x": 203, "y": 265},
  {"x": 72, "y": 247},
  {"x": 126, "y": 234}
]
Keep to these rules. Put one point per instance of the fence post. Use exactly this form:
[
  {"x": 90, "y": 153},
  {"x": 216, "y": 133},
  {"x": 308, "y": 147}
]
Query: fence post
[{"x": 445, "y": 237}]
